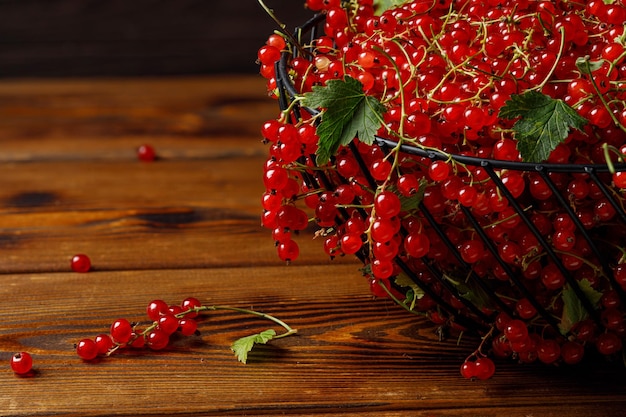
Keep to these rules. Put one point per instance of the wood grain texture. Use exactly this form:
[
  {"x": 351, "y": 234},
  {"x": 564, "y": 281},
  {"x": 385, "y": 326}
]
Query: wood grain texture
[{"x": 188, "y": 225}]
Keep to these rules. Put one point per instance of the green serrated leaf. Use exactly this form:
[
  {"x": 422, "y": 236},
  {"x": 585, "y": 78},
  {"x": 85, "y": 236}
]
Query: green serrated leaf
[
  {"x": 347, "y": 113},
  {"x": 544, "y": 123},
  {"x": 471, "y": 291},
  {"x": 382, "y": 6},
  {"x": 573, "y": 310},
  {"x": 586, "y": 66},
  {"x": 414, "y": 293},
  {"x": 243, "y": 346}
]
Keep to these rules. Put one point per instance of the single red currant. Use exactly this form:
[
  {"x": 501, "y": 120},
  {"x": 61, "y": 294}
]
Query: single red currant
[
  {"x": 121, "y": 331},
  {"x": 484, "y": 368},
  {"x": 146, "y": 153},
  {"x": 104, "y": 343},
  {"x": 468, "y": 369},
  {"x": 21, "y": 363},
  {"x": 168, "y": 323},
  {"x": 157, "y": 339},
  {"x": 191, "y": 303},
  {"x": 80, "y": 263},
  {"x": 87, "y": 349},
  {"x": 156, "y": 309},
  {"x": 188, "y": 326}
]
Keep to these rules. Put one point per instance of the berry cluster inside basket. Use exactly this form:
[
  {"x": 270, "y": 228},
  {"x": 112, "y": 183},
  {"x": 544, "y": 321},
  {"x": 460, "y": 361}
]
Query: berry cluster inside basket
[{"x": 470, "y": 154}]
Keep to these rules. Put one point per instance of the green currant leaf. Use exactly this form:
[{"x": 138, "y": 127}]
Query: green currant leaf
[
  {"x": 243, "y": 346},
  {"x": 413, "y": 294},
  {"x": 586, "y": 66},
  {"x": 383, "y": 5},
  {"x": 471, "y": 291},
  {"x": 347, "y": 113},
  {"x": 573, "y": 310},
  {"x": 544, "y": 123}
]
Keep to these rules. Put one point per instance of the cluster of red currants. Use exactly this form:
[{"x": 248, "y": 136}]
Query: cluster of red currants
[
  {"x": 443, "y": 70},
  {"x": 166, "y": 320}
]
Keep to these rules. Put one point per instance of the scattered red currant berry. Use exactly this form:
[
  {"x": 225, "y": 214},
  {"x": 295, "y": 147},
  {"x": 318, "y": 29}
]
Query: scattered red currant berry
[
  {"x": 22, "y": 363},
  {"x": 146, "y": 153},
  {"x": 80, "y": 263}
]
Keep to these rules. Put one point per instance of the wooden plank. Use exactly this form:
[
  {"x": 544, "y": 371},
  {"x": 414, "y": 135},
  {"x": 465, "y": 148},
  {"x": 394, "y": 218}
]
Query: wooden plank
[
  {"x": 352, "y": 354},
  {"x": 168, "y": 214}
]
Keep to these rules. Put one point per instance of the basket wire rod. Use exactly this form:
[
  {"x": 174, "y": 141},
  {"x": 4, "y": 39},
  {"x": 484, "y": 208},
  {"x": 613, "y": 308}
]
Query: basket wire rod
[
  {"x": 281, "y": 82},
  {"x": 579, "y": 226},
  {"x": 495, "y": 163},
  {"x": 509, "y": 271},
  {"x": 553, "y": 256},
  {"x": 605, "y": 191}
]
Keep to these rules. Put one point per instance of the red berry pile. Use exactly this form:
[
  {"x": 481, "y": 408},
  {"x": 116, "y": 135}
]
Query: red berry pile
[{"x": 526, "y": 81}]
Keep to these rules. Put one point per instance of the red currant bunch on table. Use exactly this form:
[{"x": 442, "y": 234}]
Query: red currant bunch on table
[
  {"x": 164, "y": 322},
  {"x": 453, "y": 147}
]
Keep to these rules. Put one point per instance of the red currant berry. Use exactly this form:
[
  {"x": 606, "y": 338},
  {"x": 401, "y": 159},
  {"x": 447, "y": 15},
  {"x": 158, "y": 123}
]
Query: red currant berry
[
  {"x": 87, "y": 349},
  {"x": 387, "y": 204},
  {"x": 572, "y": 352},
  {"x": 516, "y": 330},
  {"x": 548, "y": 351},
  {"x": 468, "y": 369},
  {"x": 146, "y": 153},
  {"x": 188, "y": 326},
  {"x": 80, "y": 263},
  {"x": 104, "y": 343},
  {"x": 168, "y": 323},
  {"x": 191, "y": 303},
  {"x": 121, "y": 331},
  {"x": 608, "y": 343},
  {"x": 157, "y": 339},
  {"x": 484, "y": 368},
  {"x": 21, "y": 363},
  {"x": 156, "y": 309}
]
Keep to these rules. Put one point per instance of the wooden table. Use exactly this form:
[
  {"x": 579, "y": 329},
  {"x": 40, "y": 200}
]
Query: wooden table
[{"x": 188, "y": 225}]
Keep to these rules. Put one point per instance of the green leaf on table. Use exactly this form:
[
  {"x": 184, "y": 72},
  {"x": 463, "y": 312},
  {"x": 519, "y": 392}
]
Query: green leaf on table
[
  {"x": 573, "y": 309},
  {"x": 544, "y": 123},
  {"x": 347, "y": 113},
  {"x": 243, "y": 346}
]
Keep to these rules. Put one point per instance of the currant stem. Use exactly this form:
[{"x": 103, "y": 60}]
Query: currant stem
[
  {"x": 601, "y": 97},
  {"x": 282, "y": 26},
  {"x": 288, "y": 329}
]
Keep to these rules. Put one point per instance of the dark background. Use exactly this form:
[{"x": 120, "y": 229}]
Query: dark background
[{"x": 83, "y": 38}]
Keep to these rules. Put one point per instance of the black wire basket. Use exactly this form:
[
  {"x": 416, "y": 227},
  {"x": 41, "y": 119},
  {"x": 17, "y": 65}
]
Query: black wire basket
[{"x": 438, "y": 280}]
